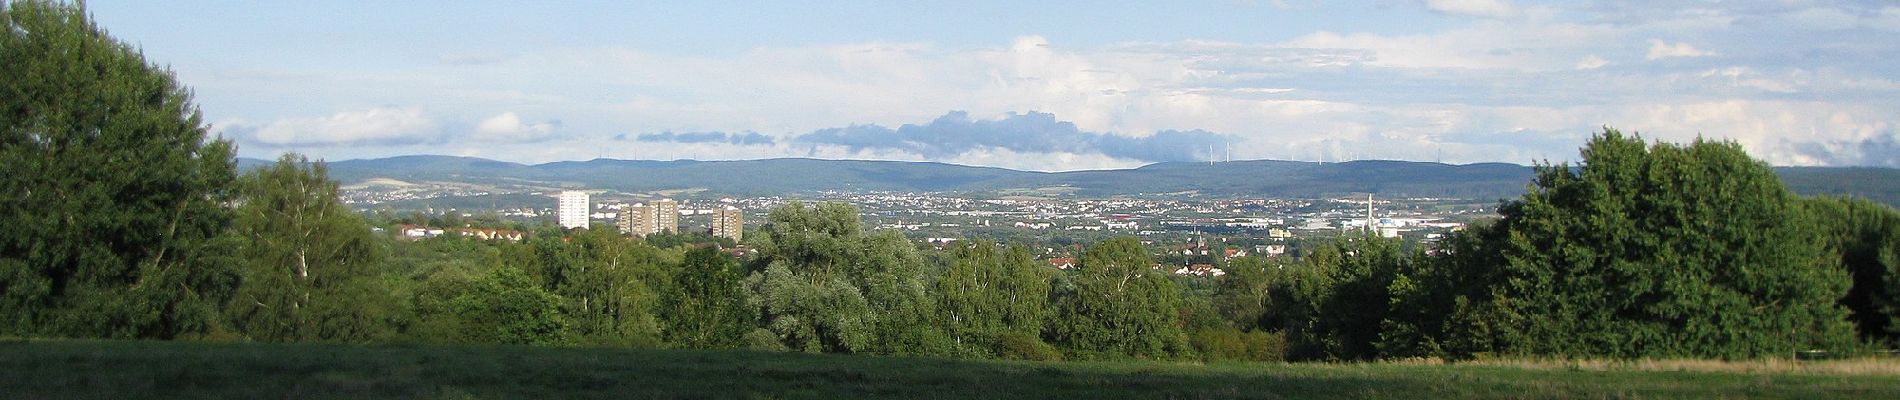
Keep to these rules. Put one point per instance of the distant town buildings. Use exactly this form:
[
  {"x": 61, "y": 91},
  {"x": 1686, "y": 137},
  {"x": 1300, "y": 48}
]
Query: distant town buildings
[
  {"x": 728, "y": 222},
  {"x": 1186, "y": 231},
  {"x": 419, "y": 232},
  {"x": 642, "y": 219},
  {"x": 637, "y": 219},
  {"x": 666, "y": 215},
  {"x": 573, "y": 209}
]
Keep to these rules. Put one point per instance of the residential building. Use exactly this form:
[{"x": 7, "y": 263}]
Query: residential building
[
  {"x": 1062, "y": 262},
  {"x": 638, "y": 219},
  {"x": 573, "y": 209},
  {"x": 666, "y": 216},
  {"x": 728, "y": 222}
]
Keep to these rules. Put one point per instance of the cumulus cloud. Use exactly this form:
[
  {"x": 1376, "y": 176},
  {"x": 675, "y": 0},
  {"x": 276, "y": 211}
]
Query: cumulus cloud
[
  {"x": 376, "y": 126},
  {"x": 508, "y": 127},
  {"x": 956, "y": 133},
  {"x": 1475, "y": 8},
  {"x": 1659, "y": 49},
  {"x": 1881, "y": 151},
  {"x": 1033, "y": 140},
  {"x": 1522, "y": 82}
]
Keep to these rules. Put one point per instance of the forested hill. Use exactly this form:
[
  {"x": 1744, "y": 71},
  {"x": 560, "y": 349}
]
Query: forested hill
[{"x": 1244, "y": 178}]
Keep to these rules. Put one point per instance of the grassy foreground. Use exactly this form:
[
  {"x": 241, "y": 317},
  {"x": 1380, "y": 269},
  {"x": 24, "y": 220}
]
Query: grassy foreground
[{"x": 117, "y": 370}]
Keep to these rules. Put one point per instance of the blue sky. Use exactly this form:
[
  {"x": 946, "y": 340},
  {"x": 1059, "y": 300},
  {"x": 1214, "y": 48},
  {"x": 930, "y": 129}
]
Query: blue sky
[{"x": 1044, "y": 86}]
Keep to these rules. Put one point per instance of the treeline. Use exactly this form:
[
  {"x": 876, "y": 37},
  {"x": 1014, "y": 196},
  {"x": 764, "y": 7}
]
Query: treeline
[
  {"x": 1621, "y": 278},
  {"x": 125, "y": 220}
]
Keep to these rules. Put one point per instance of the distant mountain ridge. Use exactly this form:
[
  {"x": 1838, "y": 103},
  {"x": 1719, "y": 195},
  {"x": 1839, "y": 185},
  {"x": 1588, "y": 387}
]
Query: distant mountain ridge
[{"x": 1266, "y": 178}]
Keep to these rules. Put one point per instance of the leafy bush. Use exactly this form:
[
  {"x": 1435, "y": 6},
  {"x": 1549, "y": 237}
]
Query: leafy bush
[
  {"x": 1229, "y": 344},
  {"x": 1017, "y": 346}
]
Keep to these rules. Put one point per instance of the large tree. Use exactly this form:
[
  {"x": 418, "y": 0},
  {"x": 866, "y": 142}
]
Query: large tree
[
  {"x": 1867, "y": 237},
  {"x": 506, "y": 306},
  {"x": 823, "y": 284},
  {"x": 1241, "y": 296},
  {"x": 988, "y": 293},
  {"x": 1121, "y": 305},
  {"x": 706, "y": 306},
  {"x": 112, "y": 195},
  {"x": 609, "y": 282},
  {"x": 1657, "y": 250},
  {"x": 1360, "y": 276},
  {"x": 311, "y": 265}
]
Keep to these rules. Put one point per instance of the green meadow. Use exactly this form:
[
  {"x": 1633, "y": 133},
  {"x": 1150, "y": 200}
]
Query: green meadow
[{"x": 205, "y": 370}]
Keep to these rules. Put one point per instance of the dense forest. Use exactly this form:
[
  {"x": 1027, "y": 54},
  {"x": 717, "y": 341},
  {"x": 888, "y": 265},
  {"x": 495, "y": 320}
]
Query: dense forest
[{"x": 127, "y": 220}]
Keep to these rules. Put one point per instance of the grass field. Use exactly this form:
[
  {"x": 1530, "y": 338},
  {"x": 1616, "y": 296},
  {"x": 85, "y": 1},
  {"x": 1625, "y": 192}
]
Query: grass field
[{"x": 123, "y": 370}]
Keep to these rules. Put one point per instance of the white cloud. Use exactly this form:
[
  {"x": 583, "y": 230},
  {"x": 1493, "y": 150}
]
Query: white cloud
[
  {"x": 1659, "y": 49},
  {"x": 1476, "y": 8},
  {"x": 508, "y": 127},
  {"x": 372, "y": 126},
  {"x": 1479, "y": 90},
  {"x": 1592, "y": 62},
  {"x": 1748, "y": 78}
]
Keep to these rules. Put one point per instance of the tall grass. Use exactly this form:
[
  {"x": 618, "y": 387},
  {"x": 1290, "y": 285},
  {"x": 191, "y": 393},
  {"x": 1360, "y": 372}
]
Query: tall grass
[
  {"x": 118, "y": 369},
  {"x": 1872, "y": 366}
]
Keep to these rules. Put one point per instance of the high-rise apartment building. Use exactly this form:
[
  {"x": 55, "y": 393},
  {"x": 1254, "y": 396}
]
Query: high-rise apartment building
[
  {"x": 641, "y": 219},
  {"x": 573, "y": 209},
  {"x": 666, "y": 216},
  {"x": 637, "y": 219},
  {"x": 728, "y": 222}
]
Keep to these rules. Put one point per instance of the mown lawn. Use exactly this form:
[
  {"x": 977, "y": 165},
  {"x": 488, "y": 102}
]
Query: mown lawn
[{"x": 132, "y": 369}]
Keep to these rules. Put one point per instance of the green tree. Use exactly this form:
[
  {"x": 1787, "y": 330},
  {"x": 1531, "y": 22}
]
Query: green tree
[
  {"x": 1660, "y": 251},
  {"x": 507, "y": 307},
  {"x": 311, "y": 265},
  {"x": 1334, "y": 303},
  {"x": 707, "y": 307},
  {"x": 111, "y": 193},
  {"x": 608, "y": 281},
  {"x": 1867, "y": 237},
  {"x": 670, "y": 239},
  {"x": 1242, "y": 300},
  {"x": 987, "y": 294},
  {"x": 825, "y": 285},
  {"x": 1121, "y": 306},
  {"x": 1241, "y": 295},
  {"x": 1444, "y": 305},
  {"x": 1364, "y": 283}
]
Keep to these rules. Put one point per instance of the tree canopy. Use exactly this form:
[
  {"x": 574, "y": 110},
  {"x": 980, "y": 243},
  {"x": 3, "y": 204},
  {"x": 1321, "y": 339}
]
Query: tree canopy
[
  {"x": 1658, "y": 250},
  {"x": 824, "y": 285},
  {"x": 111, "y": 191},
  {"x": 1121, "y": 305},
  {"x": 1866, "y": 235},
  {"x": 309, "y": 270}
]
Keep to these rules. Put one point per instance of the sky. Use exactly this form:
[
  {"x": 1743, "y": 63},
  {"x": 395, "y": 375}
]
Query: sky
[{"x": 1048, "y": 86}]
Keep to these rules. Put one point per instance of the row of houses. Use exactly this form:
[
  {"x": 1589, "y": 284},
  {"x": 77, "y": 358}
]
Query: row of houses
[{"x": 418, "y": 232}]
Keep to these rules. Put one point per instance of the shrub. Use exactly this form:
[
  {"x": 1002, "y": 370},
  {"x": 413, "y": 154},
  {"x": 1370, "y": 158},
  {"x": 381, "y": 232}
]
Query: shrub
[{"x": 1016, "y": 346}]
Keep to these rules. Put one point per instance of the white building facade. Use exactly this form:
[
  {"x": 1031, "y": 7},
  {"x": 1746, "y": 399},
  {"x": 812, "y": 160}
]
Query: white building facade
[{"x": 574, "y": 209}]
